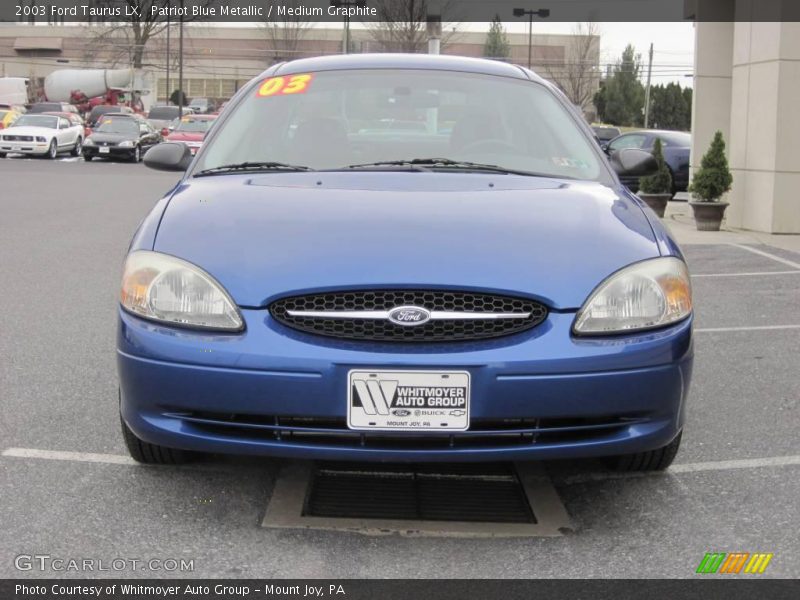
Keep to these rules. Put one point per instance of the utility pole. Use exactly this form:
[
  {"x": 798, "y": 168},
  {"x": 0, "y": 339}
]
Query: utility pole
[
  {"x": 647, "y": 89},
  {"x": 180, "y": 65},
  {"x": 541, "y": 13},
  {"x": 168, "y": 57},
  {"x": 347, "y": 4}
]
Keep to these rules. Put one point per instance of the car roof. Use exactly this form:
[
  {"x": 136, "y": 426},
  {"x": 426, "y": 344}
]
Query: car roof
[{"x": 430, "y": 62}]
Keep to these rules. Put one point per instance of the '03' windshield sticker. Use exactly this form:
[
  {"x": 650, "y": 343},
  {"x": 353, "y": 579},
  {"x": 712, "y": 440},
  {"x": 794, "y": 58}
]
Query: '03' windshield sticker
[
  {"x": 284, "y": 86},
  {"x": 572, "y": 163}
]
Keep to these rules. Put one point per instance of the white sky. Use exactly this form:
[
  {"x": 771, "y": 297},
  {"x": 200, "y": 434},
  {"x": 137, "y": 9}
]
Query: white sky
[{"x": 673, "y": 43}]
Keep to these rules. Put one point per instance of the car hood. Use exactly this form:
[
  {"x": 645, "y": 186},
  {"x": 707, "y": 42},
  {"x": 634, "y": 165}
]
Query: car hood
[
  {"x": 269, "y": 235},
  {"x": 99, "y": 137},
  {"x": 43, "y": 131},
  {"x": 182, "y": 136}
]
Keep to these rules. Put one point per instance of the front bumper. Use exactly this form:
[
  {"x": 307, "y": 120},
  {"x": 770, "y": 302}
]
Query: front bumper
[
  {"x": 35, "y": 148},
  {"x": 540, "y": 394},
  {"x": 113, "y": 152}
]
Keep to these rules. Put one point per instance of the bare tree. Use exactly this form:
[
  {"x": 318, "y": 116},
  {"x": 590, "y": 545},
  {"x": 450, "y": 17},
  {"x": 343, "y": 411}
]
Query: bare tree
[
  {"x": 125, "y": 41},
  {"x": 284, "y": 32},
  {"x": 578, "y": 76},
  {"x": 401, "y": 25}
]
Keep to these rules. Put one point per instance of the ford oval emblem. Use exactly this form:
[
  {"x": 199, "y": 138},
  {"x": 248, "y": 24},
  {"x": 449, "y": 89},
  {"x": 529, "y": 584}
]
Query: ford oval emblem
[{"x": 409, "y": 315}]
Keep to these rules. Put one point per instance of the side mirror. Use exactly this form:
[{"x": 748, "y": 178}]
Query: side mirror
[
  {"x": 168, "y": 156},
  {"x": 633, "y": 162}
]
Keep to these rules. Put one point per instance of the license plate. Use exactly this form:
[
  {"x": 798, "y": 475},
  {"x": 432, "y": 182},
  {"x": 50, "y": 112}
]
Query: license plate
[
  {"x": 408, "y": 400},
  {"x": 104, "y": 150},
  {"x": 16, "y": 148}
]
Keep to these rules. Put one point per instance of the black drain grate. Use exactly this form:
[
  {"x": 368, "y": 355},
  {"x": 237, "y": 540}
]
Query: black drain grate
[{"x": 474, "y": 493}]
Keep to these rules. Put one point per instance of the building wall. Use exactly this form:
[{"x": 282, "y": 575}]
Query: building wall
[
  {"x": 747, "y": 82},
  {"x": 233, "y": 55}
]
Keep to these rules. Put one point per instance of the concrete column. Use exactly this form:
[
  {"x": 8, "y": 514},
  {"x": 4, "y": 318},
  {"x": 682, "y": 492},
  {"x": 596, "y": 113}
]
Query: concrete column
[
  {"x": 764, "y": 127},
  {"x": 711, "y": 100}
]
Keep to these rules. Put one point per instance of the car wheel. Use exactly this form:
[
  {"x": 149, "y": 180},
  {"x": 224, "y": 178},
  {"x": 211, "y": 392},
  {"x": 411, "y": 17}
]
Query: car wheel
[
  {"x": 2, "y": 154},
  {"x": 137, "y": 154},
  {"x": 652, "y": 460},
  {"x": 52, "y": 151},
  {"x": 76, "y": 151},
  {"x": 151, "y": 454},
  {"x": 87, "y": 158}
]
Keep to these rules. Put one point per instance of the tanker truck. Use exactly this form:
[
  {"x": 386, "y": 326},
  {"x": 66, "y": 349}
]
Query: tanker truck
[{"x": 86, "y": 88}]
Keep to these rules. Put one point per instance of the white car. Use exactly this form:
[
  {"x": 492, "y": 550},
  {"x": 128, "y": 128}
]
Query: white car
[{"x": 41, "y": 134}]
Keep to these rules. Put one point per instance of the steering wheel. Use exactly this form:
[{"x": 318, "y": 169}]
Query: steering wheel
[{"x": 490, "y": 145}]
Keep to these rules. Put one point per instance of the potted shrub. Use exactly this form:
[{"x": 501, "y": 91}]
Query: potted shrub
[
  {"x": 710, "y": 181},
  {"x": 656, "y": 189}
]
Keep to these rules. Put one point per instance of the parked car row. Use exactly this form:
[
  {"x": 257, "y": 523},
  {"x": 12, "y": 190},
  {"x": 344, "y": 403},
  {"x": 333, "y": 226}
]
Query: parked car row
[
  {"x": 115, "y": 133},
  {"x": 676, "y": 146}
]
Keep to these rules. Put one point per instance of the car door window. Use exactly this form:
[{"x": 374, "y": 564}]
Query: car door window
[{"x": 627, "y": 141}]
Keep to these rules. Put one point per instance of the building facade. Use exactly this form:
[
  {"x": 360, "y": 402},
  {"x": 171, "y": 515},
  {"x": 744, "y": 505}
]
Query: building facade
[
  {"x": 219, "y": 59},
  {"x": 747, "y": 85}
]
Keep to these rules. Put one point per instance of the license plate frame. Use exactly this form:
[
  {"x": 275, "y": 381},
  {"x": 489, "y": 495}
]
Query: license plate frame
[{"x": 408, "y": 400}]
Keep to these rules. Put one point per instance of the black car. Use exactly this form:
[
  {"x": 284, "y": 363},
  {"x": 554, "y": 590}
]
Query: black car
[
  {"x": 676, "y": 146},
  {"x": 120, "y": 137}
]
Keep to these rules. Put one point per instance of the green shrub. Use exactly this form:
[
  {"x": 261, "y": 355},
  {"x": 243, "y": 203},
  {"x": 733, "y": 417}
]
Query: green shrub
[
  {"x": 713, "y": 178},
  {"x": 659, "y": 182}
]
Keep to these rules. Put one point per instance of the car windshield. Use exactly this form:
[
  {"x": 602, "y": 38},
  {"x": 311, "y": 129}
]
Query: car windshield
[
  {"x": 194, "y": 125},
  {"x": 37, "y": 121},
  {"x": 334, "y": 119},
  {"x": 124, "y": 125},
  {"x": 163, "y": 113}
]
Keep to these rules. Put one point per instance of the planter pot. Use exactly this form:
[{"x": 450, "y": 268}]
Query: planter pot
[
  {"x": 708, "y": 215},
  {"x": 658, "y": 202}
]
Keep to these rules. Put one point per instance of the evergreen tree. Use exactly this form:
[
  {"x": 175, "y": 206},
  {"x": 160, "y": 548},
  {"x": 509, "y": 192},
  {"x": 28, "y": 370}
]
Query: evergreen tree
[
  {"x": 624, "y": 93},
  {"x": 668, "y": 108},
  {"x": 659, "y": 182},
  {"x": 497, "y": 45},
  {"x": 713, "y": 178}
]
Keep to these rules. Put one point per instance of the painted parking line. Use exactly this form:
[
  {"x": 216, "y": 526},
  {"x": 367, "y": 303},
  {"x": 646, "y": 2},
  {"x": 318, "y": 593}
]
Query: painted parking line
[
  {"x": 717, "y": 465},
  {"x": 698, "y": 467},
  {"x": 779, "y": 259},
  {"x": 751, "y": 274},
  {"x": 110, "y": 459},
  {"x": 754, "y": 328}
]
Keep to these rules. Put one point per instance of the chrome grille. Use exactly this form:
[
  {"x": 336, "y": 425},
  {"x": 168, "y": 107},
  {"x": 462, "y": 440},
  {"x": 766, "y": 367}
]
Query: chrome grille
[{"x": 452, "y": 316}]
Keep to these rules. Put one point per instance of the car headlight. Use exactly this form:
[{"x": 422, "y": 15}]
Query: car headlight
[
  {"x": 40, "y": 138},
  {"x": 170, "y": 290},
  {"x": 88, "y": 142},
  {"x": 126, "y": 144},
  {"x": 648, "y": 294}
]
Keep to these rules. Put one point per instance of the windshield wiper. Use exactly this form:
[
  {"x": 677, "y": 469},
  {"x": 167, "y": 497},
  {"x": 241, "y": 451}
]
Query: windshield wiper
[
  {"x": 448, "y": 163},
  {"x": 252, "y": 166}
]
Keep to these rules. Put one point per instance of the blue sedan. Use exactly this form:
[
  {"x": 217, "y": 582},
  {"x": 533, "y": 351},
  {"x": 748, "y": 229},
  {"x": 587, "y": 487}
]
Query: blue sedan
[{"x": 403, "y": 258}]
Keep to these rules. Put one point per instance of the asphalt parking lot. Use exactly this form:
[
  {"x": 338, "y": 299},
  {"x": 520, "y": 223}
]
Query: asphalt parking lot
[{"x": 67, "y": 490}]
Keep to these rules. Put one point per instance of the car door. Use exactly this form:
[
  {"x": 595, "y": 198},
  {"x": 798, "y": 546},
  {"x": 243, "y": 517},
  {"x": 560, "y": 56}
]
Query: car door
[{"x": 64, "y": 135}]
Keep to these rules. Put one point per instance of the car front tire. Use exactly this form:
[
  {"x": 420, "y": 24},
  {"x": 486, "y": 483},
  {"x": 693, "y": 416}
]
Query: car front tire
[
  {"x": 52, "y": 151},
  {"x": 652, "y": 460},
  {"x": 137, "y": 155},
  {"x": 88, "y": 157},
  {"x": 152, "y": 454},
  {"x": 76, "y": 151}
]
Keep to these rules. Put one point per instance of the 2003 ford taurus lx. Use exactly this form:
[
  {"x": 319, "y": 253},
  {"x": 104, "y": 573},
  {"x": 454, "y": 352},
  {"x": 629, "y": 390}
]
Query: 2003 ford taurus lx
[{"x": 403, "y": 258}]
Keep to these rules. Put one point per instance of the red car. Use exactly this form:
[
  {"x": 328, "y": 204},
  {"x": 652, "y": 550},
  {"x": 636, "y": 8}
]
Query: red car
[
  {"x": 73, "y": 118},
  {"x": 191, "y": 130}
]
